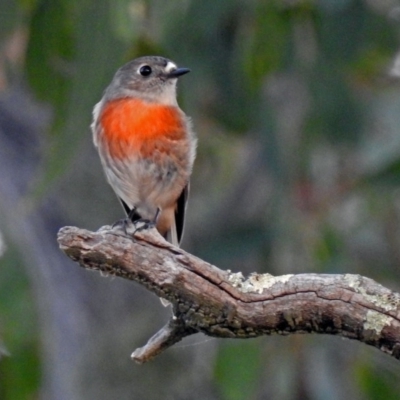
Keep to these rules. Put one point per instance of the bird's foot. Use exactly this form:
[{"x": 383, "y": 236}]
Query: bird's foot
[
  {"x": 122, "y": 224},
  {"x": 146, "y": 223},
  {"x": 143, "y": 224}
]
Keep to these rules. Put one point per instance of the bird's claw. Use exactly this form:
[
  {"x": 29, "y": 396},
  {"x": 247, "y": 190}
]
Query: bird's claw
[
  {"x": 122, "y": 224},
  {"x": 143, "y": 225}
]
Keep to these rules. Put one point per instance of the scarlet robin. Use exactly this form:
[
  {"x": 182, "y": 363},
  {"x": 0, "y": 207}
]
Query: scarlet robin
[{"x": 146, "y": 143}]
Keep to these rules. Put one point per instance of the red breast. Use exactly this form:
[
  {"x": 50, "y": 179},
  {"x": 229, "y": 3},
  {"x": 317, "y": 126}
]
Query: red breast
[{"x": 134, "y": 125}]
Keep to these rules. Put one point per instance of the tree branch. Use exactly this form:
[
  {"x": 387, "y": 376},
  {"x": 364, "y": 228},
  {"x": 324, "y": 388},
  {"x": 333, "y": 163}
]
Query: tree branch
[{"x": 224, "y": 304}]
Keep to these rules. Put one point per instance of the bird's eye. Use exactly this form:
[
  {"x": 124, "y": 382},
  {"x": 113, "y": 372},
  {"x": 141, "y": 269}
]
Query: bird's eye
[{"x": 145, "y": 70}]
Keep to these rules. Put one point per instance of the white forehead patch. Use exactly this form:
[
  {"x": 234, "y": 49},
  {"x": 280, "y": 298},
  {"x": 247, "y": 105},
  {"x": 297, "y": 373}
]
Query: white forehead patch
[{"x": 170, "y": 66}]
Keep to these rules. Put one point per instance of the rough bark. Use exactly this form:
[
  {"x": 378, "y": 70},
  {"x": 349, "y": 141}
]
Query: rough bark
[{"x": 226, "y": 305}]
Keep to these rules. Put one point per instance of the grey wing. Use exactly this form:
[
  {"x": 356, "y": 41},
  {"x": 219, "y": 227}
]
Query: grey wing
[{"x": 180, "y": 212}]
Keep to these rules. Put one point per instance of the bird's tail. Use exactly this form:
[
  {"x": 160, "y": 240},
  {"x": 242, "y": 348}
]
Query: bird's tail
[{"x": 173, "y": 235}]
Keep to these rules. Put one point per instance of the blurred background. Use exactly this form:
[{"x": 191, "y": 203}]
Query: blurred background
[{"x": 297, "y": 109}]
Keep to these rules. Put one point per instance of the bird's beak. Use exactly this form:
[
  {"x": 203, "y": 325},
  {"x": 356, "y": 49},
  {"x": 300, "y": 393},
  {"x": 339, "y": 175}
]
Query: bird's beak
[{"x": 178, "y": 72}]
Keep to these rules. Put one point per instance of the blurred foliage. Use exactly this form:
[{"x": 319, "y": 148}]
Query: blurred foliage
[
  {"x": 19, "y": 368},
  {"x": 50, "y": 53},
  {"x": 72, "y": 50},
  {"x": 299, "y": 148},
  {"x": 377, "y": 382},
  {"x": 237, "y": 370},
  {"x": 8, "y": 16}
]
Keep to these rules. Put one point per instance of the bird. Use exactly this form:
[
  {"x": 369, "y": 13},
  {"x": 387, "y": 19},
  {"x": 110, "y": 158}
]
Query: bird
[{"x": 146, "y": 143}]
